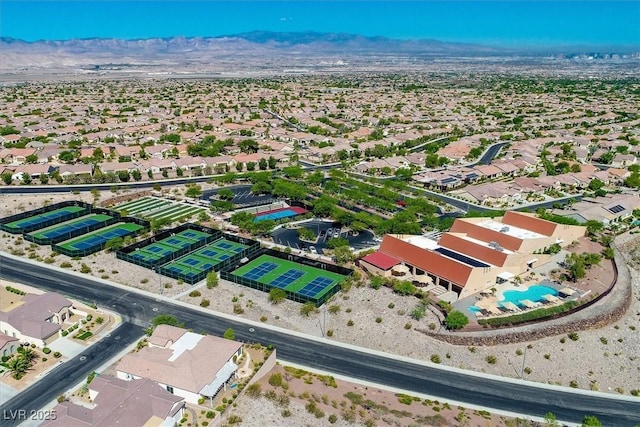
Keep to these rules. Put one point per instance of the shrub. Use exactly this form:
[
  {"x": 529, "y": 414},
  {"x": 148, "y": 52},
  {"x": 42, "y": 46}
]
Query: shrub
[
  {"x": 529, "y": 315},
  {"x": 276, "y": 380},
  {"x": 210, "y": 414},
  {"x": 263, "y": 318},
  {"x": 194, "y": 294},
  {"x": 491, "y": 359},
  {"x": 205, "y": 302},
  {"x": 350, "y": 322},
  {"x": 407, "y": 325},
  {"x": 46, "y": 350},
  {"x": 57, "y": 355},
  {"x": 334, "y": 309},
  {"x": 229, "y": 334},
  {"x": 333, "y": 418},
  {"x": 330, "y": 332},
  {"x": 456, "y": 320},
  {"x": 84, "y": 268},
  {"x": 66, "y": 264},
  {"x": 435, "y": 358},
  {"x": 254, "y": 390},
  {"x": 378, "y": 319},
  {"x": 307, "y": 308},
  {"x": 99, "y": 320},
  {"x": 573, "y": 336}
]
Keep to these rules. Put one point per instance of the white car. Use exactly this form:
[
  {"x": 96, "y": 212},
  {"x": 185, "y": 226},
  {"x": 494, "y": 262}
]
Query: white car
[{"x": 313, "y": 250}]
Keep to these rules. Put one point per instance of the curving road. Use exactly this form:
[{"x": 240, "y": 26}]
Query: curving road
[{"x": 445, "y": 383}]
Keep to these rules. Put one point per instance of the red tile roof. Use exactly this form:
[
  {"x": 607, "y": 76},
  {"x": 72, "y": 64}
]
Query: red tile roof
[
  {"x": 424, "y": 259},
  {"x": 529, "y": 222},
  {"x": 473, "y": 249},
  {"x": 486, "y": 235},
  {"x": 381, "y": 260}
]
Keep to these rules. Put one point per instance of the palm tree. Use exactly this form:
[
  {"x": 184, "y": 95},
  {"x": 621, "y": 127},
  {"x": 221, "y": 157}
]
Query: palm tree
[
  {"x": 29, "y": 355},
  {"x": 17, "y": 366}
]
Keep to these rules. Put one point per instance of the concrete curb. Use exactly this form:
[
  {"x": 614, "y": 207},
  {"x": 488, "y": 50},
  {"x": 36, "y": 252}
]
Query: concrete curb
[{"x": 252, "y": 323}]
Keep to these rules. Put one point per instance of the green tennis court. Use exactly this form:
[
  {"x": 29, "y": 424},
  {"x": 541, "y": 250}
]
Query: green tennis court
[
  {"x": 195, "y": 264},
  {"x": 291, "y": 276},
  {"x": 169, "y": 245},
  {"x": 61, "y": 230},
  {"x": 93, "y": 242},
  {"x": 45, "y": 219}
]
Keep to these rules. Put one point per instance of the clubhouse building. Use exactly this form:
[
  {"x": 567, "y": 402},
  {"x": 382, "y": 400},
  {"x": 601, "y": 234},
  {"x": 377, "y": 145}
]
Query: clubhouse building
[{"x": 476, "y": 253}]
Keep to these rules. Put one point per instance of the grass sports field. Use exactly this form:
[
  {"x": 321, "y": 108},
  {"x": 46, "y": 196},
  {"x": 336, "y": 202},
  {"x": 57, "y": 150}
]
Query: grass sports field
[
  {"x": 154, "y": 209},
  {"x": 97, "y": 238},
  {"x": 172, "y": 244},
  {"x": 142, "y": 205},
  {"x": 61, "y": 230},
  {"x": 45, "y": 218},
  {"x": 288, "y": 275},
  {"x": 204, "y": 259}
]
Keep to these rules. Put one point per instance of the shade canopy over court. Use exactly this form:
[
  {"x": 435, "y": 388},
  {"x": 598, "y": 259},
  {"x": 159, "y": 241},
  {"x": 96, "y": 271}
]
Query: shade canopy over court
[{"x": 301, "y": 282}]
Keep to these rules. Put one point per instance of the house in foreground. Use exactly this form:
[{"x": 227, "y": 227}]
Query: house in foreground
[
  {"x": 186, "y": 364},
  {"x": 37, "y": 318},
  {"x": 115, "y": 402}
]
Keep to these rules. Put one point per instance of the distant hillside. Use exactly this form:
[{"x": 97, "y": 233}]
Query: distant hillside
[{"x": 258, "y": 48}]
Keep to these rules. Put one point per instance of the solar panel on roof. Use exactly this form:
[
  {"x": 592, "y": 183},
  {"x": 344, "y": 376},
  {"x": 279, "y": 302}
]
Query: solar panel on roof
[
  {"x": 448, "y": 180},
  {"x": 616, "y": 209},
  {"x": 462, "y": 258}
]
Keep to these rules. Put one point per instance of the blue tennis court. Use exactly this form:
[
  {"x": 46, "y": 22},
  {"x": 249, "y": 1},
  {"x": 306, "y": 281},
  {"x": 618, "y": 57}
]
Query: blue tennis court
[
  {"x": 261, "y": 270},
  {"x": 287, "y": 278},
  {"x": 224, "y": 245},
  {"x": 191, "y": 261},
  {"x": 315, "y": 286},
  {"x": 209, "y": 252}
]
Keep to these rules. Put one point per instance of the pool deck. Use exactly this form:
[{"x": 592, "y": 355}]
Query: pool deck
[{"x": 489, "y": 301}]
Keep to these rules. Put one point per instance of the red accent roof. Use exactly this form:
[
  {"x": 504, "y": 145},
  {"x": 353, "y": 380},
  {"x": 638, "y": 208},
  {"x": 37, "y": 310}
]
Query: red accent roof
[
  {"x": 486, "y": 235},
  {"x": 473, "y": 249},
  {"x": 529, "y": 222},
  {"x": 439, "y": 265},
  {"x": 380, "y": 260}
]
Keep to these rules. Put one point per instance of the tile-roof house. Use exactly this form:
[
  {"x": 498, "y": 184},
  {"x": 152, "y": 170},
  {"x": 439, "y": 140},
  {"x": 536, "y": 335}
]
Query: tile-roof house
[
  {"x": 118, "y": 402},
  {"x": 8, "y": 345},
  {"x": 37, "y": 320},
  {"x": 189, "y": 365}
]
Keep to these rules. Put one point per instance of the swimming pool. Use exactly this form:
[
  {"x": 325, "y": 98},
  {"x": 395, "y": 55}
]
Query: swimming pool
[
  {"x": 534, "y": 293},
  {"x": 474, "y": 308}
]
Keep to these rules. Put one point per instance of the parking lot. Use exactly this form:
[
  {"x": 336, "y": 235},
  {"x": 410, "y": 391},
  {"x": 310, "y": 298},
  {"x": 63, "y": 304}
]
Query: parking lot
[
  {"x": 242, "y": 196},
  {"x": 324, "y": 231}
]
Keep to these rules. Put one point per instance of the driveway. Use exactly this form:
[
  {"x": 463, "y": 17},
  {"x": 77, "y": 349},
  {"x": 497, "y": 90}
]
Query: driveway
[{"x": 69, "y": 347}]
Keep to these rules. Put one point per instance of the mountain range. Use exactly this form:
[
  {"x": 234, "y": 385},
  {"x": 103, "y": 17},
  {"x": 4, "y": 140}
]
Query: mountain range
[{"x": 253, "y": 48}]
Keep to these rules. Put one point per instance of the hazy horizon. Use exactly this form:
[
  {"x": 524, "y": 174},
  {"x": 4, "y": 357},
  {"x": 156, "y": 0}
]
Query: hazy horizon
[{"x": 519, "y": 23}]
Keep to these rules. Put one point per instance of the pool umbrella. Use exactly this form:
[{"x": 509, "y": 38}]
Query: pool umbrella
[
  {"x": 400, "y": 269},
  {"x": 510, "y": 306},
  {"x": 424, "y": 279},
  {"x": 567, "y": 291},
  {"x": 550, "y": 298}
]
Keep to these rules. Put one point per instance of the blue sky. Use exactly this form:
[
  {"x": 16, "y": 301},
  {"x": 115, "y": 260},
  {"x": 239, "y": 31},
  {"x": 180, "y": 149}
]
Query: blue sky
[{"x": 503, "y": 22}]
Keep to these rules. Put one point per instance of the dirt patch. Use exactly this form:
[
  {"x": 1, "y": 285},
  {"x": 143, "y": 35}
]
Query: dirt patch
[{"x": 304, "y": 398}]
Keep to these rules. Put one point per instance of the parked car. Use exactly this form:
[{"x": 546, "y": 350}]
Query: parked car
[{"x": 313, "y": 250}]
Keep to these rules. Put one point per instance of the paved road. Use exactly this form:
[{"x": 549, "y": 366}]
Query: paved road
[
  {"x": 463, "y": 386},
  {"x": 68, "y": 374}
]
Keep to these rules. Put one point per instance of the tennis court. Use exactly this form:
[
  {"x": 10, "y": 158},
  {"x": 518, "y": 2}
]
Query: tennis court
[
  {"x": 310, "y": 282},
  {"x": 95, "y": 241},
  {"x": 44, "y": 219},
  {"x": 142, "y": 205},
  {"x": 195, "y": 265},
  {"x": 280, "y": 213},
  {"x": 58, "y": 232},
  {"x": 169, "y": 245}
]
